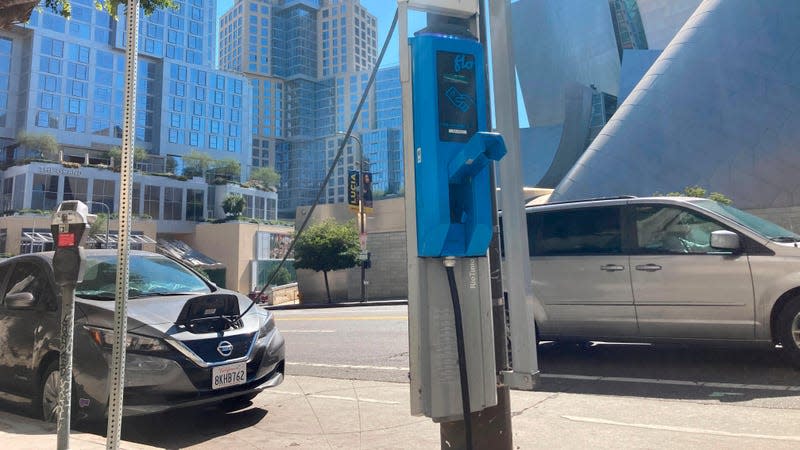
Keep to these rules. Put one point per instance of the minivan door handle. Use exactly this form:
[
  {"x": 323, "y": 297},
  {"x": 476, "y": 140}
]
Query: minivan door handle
[
  {"x": 612, "y": 268},
  {"x": 648, "y": 267}
]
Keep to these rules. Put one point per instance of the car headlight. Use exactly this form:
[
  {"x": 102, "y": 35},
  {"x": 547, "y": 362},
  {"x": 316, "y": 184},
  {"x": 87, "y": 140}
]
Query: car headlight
[
  {"x": 134, "y": 342},
  {"x": 268, "y": 323}
]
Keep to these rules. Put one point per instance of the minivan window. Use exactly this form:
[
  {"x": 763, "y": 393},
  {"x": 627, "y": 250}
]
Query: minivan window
[
  {"x": 669, "y": 229},
  {"x": 582, "y": 231},
  {"x": 763, "y": 227}
]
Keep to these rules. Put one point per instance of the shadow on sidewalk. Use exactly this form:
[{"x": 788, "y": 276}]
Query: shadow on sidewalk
[{"x": 667, "y": 371}]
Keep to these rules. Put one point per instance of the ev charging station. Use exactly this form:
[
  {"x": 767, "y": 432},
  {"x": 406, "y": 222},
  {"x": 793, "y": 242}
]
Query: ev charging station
[
  {"x": 68, "y": 225},
  {"x": 449, "y": 216}
]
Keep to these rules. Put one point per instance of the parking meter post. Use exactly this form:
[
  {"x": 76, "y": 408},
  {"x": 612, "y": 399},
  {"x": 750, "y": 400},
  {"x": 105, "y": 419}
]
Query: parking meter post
[
  {"x": 68, "y": 226},
  {"x": 65, "y": 365}
]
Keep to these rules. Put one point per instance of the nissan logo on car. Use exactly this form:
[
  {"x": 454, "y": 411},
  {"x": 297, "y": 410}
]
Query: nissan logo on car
[{"x": 225, "y": 348}]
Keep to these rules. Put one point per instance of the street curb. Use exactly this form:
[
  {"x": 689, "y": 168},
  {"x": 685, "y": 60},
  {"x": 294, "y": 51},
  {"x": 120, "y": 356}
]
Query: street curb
[{"x": 337, "y": 305}]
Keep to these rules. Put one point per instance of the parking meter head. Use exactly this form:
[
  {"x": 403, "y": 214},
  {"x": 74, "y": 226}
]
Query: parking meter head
[{"x": 68, "y": 225}]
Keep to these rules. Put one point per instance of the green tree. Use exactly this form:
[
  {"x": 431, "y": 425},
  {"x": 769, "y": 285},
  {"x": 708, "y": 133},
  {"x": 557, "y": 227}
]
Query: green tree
[
  {"x": 139, "y": 155},
  {"x": 45, "y": 144},
  {"x": 227, "y": 168},
  {"x": 697, "y": 191},
  {"x": 64, "y": 7},
  {"x": 265, "y": 176},
  {"x": 170, "y": 164},
  {"x": 196, "y": 163},
  {"x": 327, "y": 246},
  {"x": 233, "y": 205},
  {"x": 99, "y": 227},
  {"x": 281, "y": 277}
]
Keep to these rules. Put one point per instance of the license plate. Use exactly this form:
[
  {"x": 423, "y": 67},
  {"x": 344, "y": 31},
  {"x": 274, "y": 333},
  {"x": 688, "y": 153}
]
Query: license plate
[{"x": 230, "y": 375}]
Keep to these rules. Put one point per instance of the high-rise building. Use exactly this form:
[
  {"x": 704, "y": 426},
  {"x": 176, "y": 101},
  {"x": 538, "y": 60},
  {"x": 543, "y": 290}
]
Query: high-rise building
[
  {"x": 70, "y": 83},
  {"x": 308, "y": 62},
  {"x": 627, "y": 25},
  {"x": 65, "y": 78},
  {"x": 383, "y": 147}
]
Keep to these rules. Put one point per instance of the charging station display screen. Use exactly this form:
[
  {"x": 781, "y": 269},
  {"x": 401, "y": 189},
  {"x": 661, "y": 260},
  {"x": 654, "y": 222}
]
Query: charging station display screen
[{"x": 458, "y": 112}]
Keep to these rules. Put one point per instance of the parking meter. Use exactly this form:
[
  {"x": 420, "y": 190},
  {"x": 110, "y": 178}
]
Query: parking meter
[{"x": 68, "y": 226}]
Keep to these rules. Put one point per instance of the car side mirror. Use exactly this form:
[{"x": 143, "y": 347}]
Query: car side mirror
[
  {"x": 725, "y": 240},
  {"x": 20, "y": 300}
]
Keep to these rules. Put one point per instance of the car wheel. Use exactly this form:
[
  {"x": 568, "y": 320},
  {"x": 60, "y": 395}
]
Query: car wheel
[
  {"x": 789, "y": 331},
  {"x": 47, "y": 394}
]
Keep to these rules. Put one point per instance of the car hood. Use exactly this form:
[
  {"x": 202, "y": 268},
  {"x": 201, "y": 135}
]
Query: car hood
[{"x": 159, "y": 313}]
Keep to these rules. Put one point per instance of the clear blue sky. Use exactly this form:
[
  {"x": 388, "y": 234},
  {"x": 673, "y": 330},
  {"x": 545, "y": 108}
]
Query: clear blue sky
[{"x": 384, "y": 12}]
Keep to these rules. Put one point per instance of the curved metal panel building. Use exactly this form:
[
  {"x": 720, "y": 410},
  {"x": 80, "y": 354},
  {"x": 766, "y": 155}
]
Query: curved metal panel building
[
  {"x": 719, "y": 108},
  {"x": 565, "y": 52}
]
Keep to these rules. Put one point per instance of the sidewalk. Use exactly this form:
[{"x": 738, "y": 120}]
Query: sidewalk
[
  {"x": 323, "y": 413},
  {"x": 23, "y": 433}
]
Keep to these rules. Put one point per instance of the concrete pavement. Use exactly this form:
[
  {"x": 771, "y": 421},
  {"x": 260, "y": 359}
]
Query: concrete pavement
[{"x": 324, "y": 413}]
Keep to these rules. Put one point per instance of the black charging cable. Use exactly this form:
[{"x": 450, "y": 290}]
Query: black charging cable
[{"x": 449, "y": 263}]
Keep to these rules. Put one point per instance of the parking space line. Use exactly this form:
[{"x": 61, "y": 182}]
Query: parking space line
[{"x": 681, "y": 429}]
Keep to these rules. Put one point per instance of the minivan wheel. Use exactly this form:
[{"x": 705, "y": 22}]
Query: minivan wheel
[
  {"x": 789, "y": 331},
  {"x": 47, "y": 394}
]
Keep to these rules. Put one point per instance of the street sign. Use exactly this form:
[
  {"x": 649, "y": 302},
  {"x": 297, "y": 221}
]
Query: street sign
[
  {"x": 366, "y": 192},
  {"x": 353, "y": 183}
]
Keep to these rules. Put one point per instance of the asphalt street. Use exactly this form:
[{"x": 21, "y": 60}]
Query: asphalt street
[
  {"x": 371, "y": 343},
  {"x": 347, "y": 387}
]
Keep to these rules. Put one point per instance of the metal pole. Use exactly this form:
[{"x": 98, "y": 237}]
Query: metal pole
[
  {"x": 65, "y": 365},
  {"x": 363, "y": 234},
  {"x": 517, "y": 276},
  {"x": 361, "y": 217},
  {"x": 117, "y": 377}
]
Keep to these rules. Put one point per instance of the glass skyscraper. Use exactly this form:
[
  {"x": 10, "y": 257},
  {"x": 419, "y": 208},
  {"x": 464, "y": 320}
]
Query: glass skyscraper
[
  {"x": 308, "y": 62},
  {"x": 68, "y": 81}
]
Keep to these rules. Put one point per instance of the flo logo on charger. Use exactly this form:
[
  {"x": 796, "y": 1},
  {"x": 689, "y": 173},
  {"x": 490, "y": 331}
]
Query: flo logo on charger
[{"x": 461, "y": 63}]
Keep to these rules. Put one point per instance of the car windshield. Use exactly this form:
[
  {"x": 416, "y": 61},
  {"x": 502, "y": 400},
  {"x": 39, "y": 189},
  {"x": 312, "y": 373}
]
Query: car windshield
[
  {"x": 149, "y": 275},
  {"x": 761, "y": 226}
]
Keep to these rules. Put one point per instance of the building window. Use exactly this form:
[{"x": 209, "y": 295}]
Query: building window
[
  {"x": 45, "y": 192},
  {"x": 260, "y": 208},
  {"x": 173, "y": 203},
  {"x": 103, "y": 192},
  {"x": 152, "y": 200},
  {"x": 75, "y": 188},
  {"x": 194, "y": 205}
]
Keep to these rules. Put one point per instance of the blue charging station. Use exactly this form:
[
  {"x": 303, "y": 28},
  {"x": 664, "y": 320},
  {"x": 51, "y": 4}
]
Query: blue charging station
[{"x": 452, "y": 149}]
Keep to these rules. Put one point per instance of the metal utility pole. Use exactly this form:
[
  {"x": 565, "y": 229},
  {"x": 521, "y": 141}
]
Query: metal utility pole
[
  {"x": 108, "y": 217},
  {"x": 361, "y": 216},
  {"x": 517, "y": 276},
  {"x": 117, "y": 375}
]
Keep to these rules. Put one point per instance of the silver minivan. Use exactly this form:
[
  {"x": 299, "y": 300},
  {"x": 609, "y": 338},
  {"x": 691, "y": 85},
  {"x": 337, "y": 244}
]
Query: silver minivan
[{"x": 663, "y": 269}]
